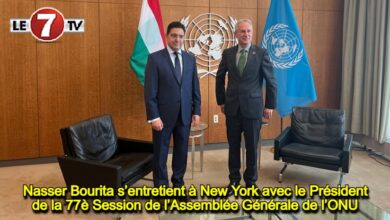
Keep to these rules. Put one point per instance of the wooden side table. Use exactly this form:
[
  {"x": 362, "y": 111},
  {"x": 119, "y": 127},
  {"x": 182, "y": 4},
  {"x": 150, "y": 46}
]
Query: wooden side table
[{"x": 197, "y": 132}]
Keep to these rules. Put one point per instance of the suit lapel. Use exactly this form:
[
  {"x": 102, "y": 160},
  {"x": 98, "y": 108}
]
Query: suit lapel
[
  {"x": 249, "y": 59},
  {"x": 169, "y": 60},
  {"x": 185, "y": 66},
  {"x": 234, "y": 56}
]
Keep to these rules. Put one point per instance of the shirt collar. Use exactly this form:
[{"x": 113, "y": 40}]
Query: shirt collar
[
  {"x": 246, "y": 48},
  {"x": 170, "y": 51}
]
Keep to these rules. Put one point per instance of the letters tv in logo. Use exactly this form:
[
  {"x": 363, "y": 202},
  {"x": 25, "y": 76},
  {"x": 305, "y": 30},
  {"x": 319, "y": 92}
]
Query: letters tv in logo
[{"x": 47, "y": 24}]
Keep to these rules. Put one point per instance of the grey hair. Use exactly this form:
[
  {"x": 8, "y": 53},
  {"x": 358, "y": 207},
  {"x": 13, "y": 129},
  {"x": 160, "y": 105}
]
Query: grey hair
[{"x": 245, "y": 20}]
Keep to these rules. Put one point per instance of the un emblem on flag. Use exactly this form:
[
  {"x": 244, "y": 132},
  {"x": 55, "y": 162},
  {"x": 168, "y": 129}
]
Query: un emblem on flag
[{"x": 284, "y": 46}]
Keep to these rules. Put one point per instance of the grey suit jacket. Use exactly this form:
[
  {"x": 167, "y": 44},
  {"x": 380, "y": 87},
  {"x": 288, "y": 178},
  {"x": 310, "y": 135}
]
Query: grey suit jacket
[{"x": 244, "y": 93}]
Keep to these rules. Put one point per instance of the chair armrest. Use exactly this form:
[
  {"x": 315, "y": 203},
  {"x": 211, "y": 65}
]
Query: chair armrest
[
  {"x": 347, "y": 153},
  {"x": 348, "y": 143},
  {"x": 126, "y": 145},
  {"x": 88, "y": 173},
  {"x": 280, "y": 141}
]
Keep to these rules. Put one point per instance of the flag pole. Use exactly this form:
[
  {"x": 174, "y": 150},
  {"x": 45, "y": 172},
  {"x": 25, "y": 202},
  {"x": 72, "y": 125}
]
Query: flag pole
[{"x": 281, "y": 124}]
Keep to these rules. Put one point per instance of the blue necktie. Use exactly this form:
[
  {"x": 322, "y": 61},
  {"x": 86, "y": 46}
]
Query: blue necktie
[{"x": 177, "y": 67}]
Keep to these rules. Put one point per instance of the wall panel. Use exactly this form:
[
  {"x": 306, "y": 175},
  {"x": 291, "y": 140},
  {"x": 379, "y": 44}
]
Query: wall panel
[
  {"x": 18, "y": 85},
  {"x": 323, "y": 42},
  {"x": 323, "y": 5},
  {"x": 43, "y": 2},
  {"x": 68, "y": 76},
  {"x": 249, "y": 4},
  {"x": 121, "y": 93},
  {"x": 187, "y": 4}
]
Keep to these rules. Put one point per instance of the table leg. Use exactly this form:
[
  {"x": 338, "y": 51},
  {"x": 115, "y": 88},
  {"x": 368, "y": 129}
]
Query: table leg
[
  {"x": 258, "y": 157},
  {"x": 201, "y": 150},
  {"x": 193, "y": 156},
  {"x": 243, "y": 155}
]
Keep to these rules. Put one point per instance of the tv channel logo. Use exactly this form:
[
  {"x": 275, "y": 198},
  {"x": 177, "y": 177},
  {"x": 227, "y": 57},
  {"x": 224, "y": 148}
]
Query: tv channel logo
[{"x": 47, "y": 24}]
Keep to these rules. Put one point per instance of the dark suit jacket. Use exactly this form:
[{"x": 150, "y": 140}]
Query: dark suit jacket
[
  {"x": 244, "y": 92},
  {"x": 165, "y": 97}
]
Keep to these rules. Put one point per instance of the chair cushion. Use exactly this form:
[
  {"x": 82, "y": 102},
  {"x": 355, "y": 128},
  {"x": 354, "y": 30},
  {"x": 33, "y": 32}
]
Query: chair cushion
[
  {"x": 131, "y": 163},
  {"x": 94, "y": 139},
  {"x": 312, "y": 153},
  {"x": 324, "y": 127}
]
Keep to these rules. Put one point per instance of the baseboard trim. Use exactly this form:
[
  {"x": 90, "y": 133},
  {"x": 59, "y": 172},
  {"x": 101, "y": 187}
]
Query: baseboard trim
[{"x": 31, "y": 161}]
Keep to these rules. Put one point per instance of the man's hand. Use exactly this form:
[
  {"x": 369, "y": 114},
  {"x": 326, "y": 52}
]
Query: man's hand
[
  {"x": 157, "y": 125},
  {"x": 222, "y": 108},
  {"x": 267, "y": 113},
  {"x": 195, "y": 120}
]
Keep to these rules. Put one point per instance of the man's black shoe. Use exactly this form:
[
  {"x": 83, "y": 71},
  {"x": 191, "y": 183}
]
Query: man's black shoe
[{"x": 230, "y": 190}]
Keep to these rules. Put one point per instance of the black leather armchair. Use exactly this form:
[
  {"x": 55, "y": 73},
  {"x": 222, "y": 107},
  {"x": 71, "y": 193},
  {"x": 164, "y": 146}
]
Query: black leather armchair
[
  {"x": 316, "y": 138},
  {"x": 94, "y": 155}
]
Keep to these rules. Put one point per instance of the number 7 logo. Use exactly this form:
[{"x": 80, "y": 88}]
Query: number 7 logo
[
  {"x": 47, "y": 24},
  {"x": 46, "y": 28}
]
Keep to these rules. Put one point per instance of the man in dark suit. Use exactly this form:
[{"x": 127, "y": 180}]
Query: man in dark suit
[
  {"x": 172, "y": 99},
  {"x": 242, "y": 102}
]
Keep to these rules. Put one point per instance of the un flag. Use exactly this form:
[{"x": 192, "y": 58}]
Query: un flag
[{"x": 283, "y": 41}]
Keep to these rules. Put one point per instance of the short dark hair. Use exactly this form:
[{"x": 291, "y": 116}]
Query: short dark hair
[{"x": 175, "y": 24}]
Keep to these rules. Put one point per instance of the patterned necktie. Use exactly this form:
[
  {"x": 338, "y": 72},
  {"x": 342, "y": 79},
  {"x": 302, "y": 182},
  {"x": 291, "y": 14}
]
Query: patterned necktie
[
  {"x": 177, "y": 66},
  {"x": 241, "y": 61}
]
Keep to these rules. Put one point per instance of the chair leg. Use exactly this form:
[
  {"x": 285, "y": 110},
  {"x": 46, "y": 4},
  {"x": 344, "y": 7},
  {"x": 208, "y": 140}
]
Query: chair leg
[
  {"x": 341, "y": 178},
  {"x": 281, "y": 173}
]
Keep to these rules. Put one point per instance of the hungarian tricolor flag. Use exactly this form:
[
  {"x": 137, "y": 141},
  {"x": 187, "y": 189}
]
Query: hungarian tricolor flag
[{"x": 150, "y": 37}]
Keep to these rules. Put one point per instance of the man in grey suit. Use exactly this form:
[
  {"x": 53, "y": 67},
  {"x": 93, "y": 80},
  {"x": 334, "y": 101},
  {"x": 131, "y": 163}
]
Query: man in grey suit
[{"x": 242, "y": 102}]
